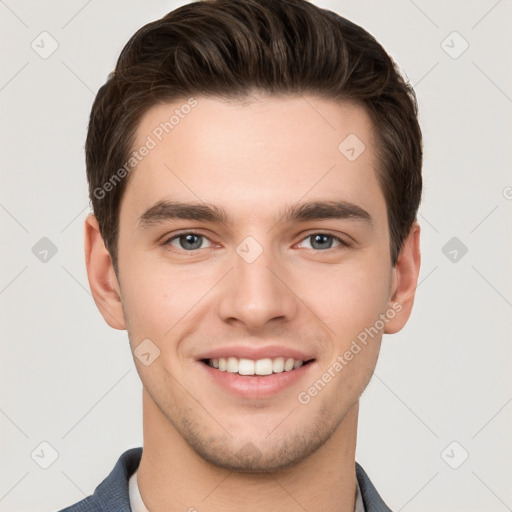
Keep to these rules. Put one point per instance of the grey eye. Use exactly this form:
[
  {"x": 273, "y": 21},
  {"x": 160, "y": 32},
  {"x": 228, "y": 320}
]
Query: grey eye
[{"x": 187, "y": 241}]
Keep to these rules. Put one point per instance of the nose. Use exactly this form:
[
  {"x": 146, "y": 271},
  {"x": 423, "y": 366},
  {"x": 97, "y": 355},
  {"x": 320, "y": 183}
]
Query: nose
[{"x": 258, "y": 292}]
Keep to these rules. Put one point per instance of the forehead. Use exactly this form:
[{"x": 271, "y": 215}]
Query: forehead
[{"x": 253, "y": 157}]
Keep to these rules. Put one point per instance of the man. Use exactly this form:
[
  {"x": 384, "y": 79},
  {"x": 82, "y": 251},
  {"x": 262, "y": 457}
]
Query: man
[{"x": 255, "y": 173}]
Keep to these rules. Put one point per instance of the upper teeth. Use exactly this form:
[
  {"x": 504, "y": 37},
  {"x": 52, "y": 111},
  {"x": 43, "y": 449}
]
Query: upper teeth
[{"x": 265, "y": 366}]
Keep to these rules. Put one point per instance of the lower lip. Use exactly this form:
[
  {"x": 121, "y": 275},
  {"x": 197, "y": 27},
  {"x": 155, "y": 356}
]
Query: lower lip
[{"x": 249, "y": 386}]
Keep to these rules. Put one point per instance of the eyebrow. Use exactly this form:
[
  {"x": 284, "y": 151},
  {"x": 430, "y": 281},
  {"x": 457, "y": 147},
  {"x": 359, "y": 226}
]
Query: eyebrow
[{"x": 165, "y": 210}]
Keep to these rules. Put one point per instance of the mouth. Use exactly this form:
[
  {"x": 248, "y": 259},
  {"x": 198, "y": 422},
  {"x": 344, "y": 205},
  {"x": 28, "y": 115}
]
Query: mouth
[
  {"x": 263, "y": 378},
  {"x": 248, "y": 371},
  {"x": 256, "y": 368}
]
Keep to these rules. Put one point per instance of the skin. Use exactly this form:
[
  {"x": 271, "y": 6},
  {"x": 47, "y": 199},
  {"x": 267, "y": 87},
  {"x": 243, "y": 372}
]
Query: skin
[{"x": 203, "y": 446}]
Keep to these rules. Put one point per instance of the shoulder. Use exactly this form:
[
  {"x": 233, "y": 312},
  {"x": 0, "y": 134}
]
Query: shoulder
[
  {"x": 111, "y": 495},
  {"x": 371, "y": 498}
]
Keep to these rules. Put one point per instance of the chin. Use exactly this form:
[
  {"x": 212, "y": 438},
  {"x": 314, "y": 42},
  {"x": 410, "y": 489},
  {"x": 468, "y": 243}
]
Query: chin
[{"x": 265, "y": 455}]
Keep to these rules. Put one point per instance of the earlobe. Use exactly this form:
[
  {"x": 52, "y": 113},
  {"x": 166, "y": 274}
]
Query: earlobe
[
  {"x": 405, "y": 281},
  {"x": 102, "y": 279}
]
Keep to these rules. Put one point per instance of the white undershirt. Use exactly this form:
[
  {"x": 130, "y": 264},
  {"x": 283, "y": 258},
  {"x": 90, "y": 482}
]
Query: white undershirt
[
  {"x": 138, "y": 505},
  {"x": 136, "y": 502}
]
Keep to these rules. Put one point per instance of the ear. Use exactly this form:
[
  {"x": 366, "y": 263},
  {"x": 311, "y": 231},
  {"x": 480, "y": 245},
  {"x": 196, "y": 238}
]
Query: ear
[
  {"x": 404, "y": 281},
  {"x": 102, "y": 278}
]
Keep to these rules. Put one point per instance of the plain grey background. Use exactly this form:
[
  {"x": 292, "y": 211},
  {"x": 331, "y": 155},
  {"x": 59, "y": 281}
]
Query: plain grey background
[{"x": 435, "y": 421}]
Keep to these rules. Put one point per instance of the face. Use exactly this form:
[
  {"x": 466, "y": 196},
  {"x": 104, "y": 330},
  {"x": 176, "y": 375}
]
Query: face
[{"x": 250, "y": 242}]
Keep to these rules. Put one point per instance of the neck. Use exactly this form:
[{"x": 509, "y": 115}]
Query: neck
[{"x": 173, "y": 477}]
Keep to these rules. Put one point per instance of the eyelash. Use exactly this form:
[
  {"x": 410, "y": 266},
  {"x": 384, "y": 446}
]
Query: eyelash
[{"x": 342, "y": 243}]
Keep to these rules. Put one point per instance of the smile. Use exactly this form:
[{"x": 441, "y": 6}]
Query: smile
[
  {"x": 261, "y": 367},
  {"x": 257, "y": 378}
]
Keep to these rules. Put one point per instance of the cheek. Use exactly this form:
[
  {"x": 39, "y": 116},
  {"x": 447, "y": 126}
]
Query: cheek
[
  {"x": 151, "y": 300},
  {"x": 352, "y": 305},
  {"x": 163, "y": 302},
  {"x": 351, "y": 299},
  {"x": 153, "y": 308}
]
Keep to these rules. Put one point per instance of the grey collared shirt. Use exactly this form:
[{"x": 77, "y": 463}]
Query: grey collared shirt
[{"x": 359, "y": 505}]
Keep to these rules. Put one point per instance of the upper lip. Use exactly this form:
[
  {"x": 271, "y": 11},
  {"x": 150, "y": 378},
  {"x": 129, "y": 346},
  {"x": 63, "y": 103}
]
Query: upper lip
[{"x": 255, "y": 353}]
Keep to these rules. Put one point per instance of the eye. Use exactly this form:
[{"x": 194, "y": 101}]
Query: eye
[
  {"x": 187, "y": 241},
  {"x": 322, "y": 241}
]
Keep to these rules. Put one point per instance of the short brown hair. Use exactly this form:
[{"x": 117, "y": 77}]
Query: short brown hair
[{"x": 230, "y": 48}]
